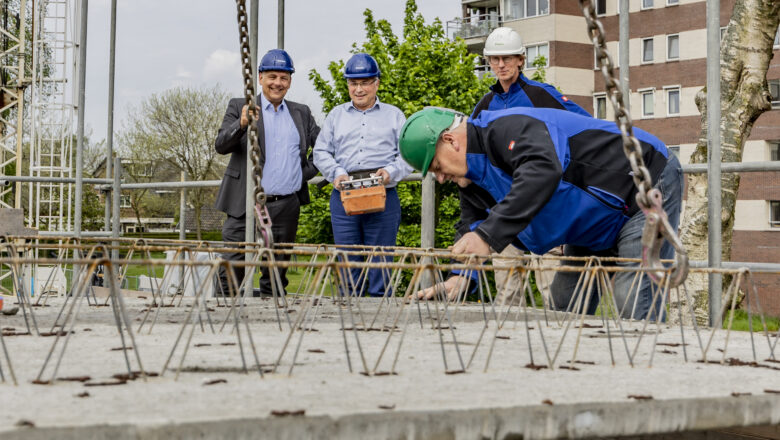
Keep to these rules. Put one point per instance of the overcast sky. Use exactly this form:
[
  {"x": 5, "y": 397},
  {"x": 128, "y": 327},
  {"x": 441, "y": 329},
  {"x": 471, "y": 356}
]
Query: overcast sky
[{"x": 168, "y": 43}]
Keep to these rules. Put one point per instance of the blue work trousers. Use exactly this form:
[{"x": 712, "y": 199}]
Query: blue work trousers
[
  {"x": 375, "y": 229},
  {"x": 632, "y": 302}
]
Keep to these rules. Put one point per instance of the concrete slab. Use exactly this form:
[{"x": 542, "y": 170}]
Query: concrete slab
[{"x": 506, "y": 401}]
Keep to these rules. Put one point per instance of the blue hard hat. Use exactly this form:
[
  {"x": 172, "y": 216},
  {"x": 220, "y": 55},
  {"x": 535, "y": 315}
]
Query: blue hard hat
[
  {"x": 276, "y": 59},
  {"x": 361, "y": 65}
]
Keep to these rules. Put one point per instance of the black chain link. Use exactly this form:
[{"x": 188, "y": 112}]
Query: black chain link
[
  {"x": 631, "y": 146},
  {"x": 657, "y": 226},
  {"x": 249, "y": 99}
]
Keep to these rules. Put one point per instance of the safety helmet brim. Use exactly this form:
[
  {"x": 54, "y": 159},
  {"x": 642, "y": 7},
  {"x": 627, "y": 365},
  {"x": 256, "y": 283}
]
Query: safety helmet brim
[{"x": 420, "y": 134}]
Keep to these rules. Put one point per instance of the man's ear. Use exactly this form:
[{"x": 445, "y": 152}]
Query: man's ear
[{"x": 449, "y": 138}]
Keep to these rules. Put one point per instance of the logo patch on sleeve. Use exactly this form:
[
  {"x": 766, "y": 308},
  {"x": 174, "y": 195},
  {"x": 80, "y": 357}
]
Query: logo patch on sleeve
[
  {"x": 565, "y": 99},
  {"x": 511, "y": 145}
]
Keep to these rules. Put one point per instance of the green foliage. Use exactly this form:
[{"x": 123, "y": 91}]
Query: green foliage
[
  {"x": 540, "y": 63},
  {"x": 92, "y": 211},
  {"x": 420, "y": 68},
  {"x": 314, "y": 224}
]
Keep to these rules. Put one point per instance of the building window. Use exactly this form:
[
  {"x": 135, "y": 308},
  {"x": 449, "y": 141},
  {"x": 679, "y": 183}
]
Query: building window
[
  {"x": 722, "y": 32},
  {"x": 601, "y": 7},
  {"x": 673, "y": 101},
  {"x": 124, "y": 201},
  {"x": 774, "y": 151},
  {"x": 648, "y": 103},
  {"x": 776, "y": 45},
  {"x": 774, "y": 91},
  {"x": 774, "y": 214},
  {"x": 647, "y": 4},
  {"x": 673, "y": 47},
  {"x": 533, "y": 51},
  {"x": 647, "y": 50},
  {"x": 672, "y": 2},
  {"x": 517, "y": 9},
  {"x": 600, "y": 106},
  {"x": 675, "y": 149}
]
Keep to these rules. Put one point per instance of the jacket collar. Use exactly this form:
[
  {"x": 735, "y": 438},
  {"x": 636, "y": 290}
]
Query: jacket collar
[{"x": 520, "y": 82}]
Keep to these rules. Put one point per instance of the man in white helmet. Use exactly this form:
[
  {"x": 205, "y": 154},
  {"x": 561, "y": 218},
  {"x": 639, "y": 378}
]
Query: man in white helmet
[{"x": 505, "y": 53}]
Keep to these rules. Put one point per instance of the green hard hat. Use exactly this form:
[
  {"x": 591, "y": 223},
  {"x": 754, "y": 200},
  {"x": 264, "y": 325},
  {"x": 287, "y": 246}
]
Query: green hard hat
[{"x": 420, "y": 133}]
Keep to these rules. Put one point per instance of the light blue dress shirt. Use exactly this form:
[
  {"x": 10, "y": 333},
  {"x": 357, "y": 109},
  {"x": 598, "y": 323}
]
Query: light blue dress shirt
[
  {"x": 282, "y": 172},
  {"x": 353, "y": 140}
]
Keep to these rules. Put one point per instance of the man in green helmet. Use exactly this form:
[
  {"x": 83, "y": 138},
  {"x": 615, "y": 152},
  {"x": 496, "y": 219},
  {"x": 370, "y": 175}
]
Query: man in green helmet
[{"x": 558, "y": 178}]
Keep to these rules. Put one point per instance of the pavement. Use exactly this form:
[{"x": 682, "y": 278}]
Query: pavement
[{"x": 600, "y": 394}]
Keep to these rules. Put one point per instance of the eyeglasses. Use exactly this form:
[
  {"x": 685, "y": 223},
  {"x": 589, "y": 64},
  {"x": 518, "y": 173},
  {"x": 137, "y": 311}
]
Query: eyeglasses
[
  {"x": 496, "y": 59},
  {"x": 364, "y": 84}
]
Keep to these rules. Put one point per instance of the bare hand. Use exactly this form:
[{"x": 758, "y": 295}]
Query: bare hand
[
  {"x": 471, "y": 243},
  {"x": 245, "y": 118},
  {"x": 453, "y": 287},
  {"x": 338, "y": 180},
  {"x": 384, "y": 175}
]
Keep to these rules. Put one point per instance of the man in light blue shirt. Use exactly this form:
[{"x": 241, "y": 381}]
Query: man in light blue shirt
[
  {"x": 359, "y": 138},
  {"x": 286, "y": 133}
]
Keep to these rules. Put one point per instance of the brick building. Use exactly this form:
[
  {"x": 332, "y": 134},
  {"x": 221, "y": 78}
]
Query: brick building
[{"x": 667, "y": 59}]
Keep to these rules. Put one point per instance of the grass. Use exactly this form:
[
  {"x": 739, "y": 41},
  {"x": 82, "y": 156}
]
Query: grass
[{"x": 741, "y": 322}]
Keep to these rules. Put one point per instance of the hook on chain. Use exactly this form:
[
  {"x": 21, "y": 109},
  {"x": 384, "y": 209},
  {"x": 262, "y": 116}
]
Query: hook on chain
[{"x": 656, "y": 229}]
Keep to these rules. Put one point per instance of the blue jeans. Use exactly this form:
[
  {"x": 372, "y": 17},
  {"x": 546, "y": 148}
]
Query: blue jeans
[
  {"x": 375, "y": 229},
  {"x": 628, "y": 245}
]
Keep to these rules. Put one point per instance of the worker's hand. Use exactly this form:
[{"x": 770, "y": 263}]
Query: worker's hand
[
  {"x": 471, "y": 243},
  {"x": 453, "y": 287},
  {"x": 245, "y": 118},
  {"x": 384, "y": 175},
  {"x": 338, "y": 180}
]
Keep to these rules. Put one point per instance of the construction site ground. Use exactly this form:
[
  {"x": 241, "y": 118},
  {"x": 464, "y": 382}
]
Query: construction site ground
[{"x": 213, "y": 398}]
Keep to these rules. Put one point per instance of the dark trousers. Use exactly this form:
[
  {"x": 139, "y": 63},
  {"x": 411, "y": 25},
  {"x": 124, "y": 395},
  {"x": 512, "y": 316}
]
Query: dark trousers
[
  {"x": 375, "y": 229},
  {"x": 284, "y": 225}
]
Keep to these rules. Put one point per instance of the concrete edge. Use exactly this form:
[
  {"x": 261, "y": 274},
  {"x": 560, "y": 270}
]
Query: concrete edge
[{"x": 530, "y": 422}]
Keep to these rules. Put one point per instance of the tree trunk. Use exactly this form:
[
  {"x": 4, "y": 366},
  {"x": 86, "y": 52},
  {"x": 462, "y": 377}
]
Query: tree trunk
[{"x": 746, "y": 50}]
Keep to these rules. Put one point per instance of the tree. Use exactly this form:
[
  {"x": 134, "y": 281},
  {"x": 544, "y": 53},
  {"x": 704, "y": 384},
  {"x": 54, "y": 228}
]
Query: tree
[
  {"x": 746, "y": 50},
  {"x": 179, "y": 126},
  {"x": 421, "y": 68},
  {"x": 540, "y": 74}
]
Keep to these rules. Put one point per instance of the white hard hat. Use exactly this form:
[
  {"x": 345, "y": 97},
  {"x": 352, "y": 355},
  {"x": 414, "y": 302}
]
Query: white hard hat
[{"x": 504, "y": 41}]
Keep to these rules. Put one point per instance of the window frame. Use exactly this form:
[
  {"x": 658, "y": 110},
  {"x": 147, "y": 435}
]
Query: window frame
[
  {"x": 529, "y": 62},
  {"x": 667, "y": 90},
  {"x": 774, "y": 223},
  {"x": 642, "y": 6},
  {"x": 668, "y": 39},
  {"x": 596, "y": 6},
  {"x": 774, "y": 150},
  {"x": 774, "y": 100},
  {"x": 675, "y": 149},
  {"x": 642, "y": 49},
  {"x": 672, "y": 2},
  {"x": 642, "y": 93},
  {"x": 776, "y": 43},
  {"x": 124, "y": 201},
  {"x": 596, "y": 98},
  {"x": 524, "y": 11}
]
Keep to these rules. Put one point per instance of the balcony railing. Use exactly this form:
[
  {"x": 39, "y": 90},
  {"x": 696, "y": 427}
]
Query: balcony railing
[
  {"x": 474, "y": 26},
  {"x": 483, "y": 70}
]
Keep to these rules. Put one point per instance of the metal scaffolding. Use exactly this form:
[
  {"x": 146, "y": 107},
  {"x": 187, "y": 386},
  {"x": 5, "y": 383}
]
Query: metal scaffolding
[{"x": 51, "y": 146}]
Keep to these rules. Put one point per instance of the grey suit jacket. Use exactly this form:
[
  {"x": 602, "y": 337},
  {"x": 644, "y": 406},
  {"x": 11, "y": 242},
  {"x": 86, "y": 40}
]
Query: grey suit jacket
[{"x": 231, "y": 139}]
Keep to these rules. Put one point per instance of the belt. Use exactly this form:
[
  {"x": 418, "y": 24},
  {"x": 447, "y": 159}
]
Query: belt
[{"x": 271, "y": 199}]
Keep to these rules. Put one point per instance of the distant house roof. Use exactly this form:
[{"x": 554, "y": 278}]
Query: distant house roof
[{"x": 210, "y": 219}]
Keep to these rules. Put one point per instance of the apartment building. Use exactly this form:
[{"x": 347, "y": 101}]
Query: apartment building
[{"x": 667, "y": 61}]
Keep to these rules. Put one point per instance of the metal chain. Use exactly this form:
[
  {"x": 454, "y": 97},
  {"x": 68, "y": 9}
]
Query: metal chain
[
  {"x": 631, "y": 146},
  {"x": 657, "y": 226},
  {"x": 263, "y": 219},
  {"x": 249, "y": 100}
]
